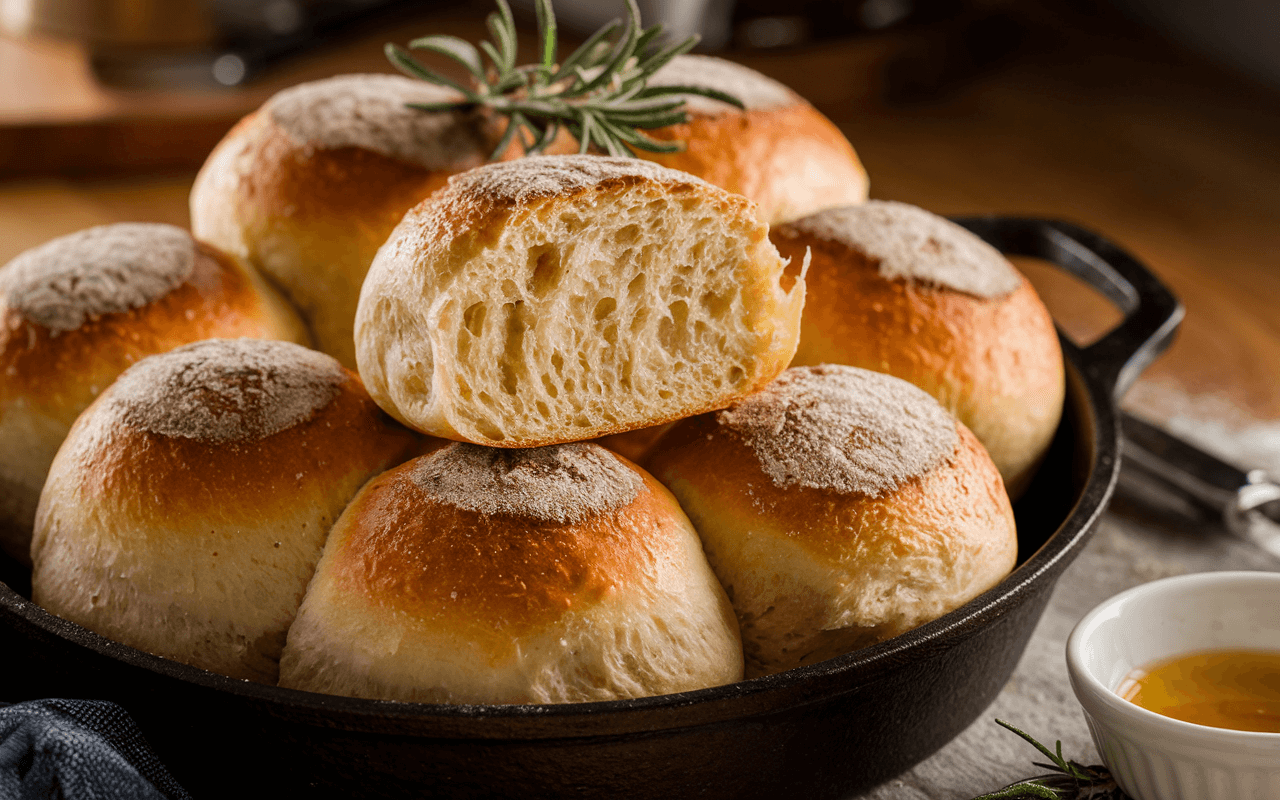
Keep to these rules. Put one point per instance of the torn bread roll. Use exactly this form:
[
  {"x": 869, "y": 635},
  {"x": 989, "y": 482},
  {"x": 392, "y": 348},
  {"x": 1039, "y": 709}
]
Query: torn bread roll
[
  {"x": 476, "y": 575},
  {"x": 779, "y": 151},
  {"x": 896, "y": 289},
  {"x": 78, "y": 310},
  {"x": 187, "y": 509},
  {"x": 560, "y": 298},
  {"x": 308, "y": 187},
  {"x": 839, "y": 507}
]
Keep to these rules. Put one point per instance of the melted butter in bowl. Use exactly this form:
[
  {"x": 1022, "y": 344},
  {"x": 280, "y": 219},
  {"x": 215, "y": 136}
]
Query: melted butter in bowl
[
  {"x": 1236, "y": 689},
  {"x": 1179, "y": 680}
]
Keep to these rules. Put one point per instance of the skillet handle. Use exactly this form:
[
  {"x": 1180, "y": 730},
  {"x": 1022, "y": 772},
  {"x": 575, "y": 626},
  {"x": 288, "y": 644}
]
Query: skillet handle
[{"x": 1151, "y": 312}]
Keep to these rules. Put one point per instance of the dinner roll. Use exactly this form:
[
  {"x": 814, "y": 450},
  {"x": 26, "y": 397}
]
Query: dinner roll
[
  {"x": 187, "y": 509},
  {"x": 307, "y": 187},
  {"x": 80, "y": 309},
  {"x": 839, "y": 507},
  {"x": 897, "y": 289},
  {"x": 780, "y": 152},
  {"x": 476, "y": 575},
  {"x": 560, "y": 298}
]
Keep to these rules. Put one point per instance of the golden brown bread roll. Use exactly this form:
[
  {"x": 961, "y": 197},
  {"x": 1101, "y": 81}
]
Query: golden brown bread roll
[
  {"x": 186, "y": 511},
  {"x": 896, "y": 289},
  {"x": 308, "y": 187},
  {"x": 839, "y": 507},
  {"x": 80, "y": 309},
  {"x": 780, "y": 152},
  {"x": 476, "y": 575},
  {"x": 558, "y": 298}
]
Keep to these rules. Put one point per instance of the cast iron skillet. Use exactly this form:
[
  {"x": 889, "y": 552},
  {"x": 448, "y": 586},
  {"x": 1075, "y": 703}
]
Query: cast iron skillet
[{"x": 827, "y": 730}]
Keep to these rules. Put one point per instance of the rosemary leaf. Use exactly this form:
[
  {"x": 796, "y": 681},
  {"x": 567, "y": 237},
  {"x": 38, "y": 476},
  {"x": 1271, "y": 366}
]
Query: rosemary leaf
[
  {"x": 1020, "y": 790},
  {"x": 1068, "y": 781},
  {"x": 407, "y": 64},
  {"x": 452, "y": 47},
  {"x": 648, "y": 123},
  {"x": 586, "y": 49},
  {"x": 655, "y": 104},
  {"x": 584, "y": 134},
  {"x": 661, "y": 58},
  {"x": 702, "y": 91},
  {"x": 632, "y": 138},
  {"x": 546, "y": 31},
  {"x": 1056, "y": 759},
  {"x": 598, "y": 94},
  {"x": 504, "y": 37},
  {"x": 623, "y": 51},
  {"x": 457, "y": 105}
]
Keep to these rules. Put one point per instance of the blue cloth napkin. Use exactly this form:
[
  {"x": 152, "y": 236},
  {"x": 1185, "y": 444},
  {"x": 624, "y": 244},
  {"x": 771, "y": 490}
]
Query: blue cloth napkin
[{"x": 78, "y": 750}]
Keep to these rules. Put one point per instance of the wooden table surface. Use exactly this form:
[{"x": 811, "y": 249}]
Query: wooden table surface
[{"x": 1171, "y": 157}]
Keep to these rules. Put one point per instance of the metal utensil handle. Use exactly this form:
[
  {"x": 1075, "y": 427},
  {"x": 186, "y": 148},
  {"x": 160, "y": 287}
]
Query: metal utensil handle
[
  {"x": 1151, "y": 312},
  {"x": 1238, "y": 496}
]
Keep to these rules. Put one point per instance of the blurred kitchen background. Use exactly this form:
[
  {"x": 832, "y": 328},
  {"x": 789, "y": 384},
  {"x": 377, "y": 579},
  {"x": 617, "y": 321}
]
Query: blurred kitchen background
[{"x": 117, "y": 86}]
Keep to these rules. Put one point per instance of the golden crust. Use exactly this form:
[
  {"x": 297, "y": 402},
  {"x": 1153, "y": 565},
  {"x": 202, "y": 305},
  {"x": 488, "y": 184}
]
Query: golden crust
[
  {"x": 416, "y": 599},
  {"x": 814, "y": 573},
  {"x": 492, "y": 578},
  {"x": 49, "y": 379},
  {"x": 995, "y": 363},
  {"x": 196, "y": 550},
  {"x": 789, "y": 160},
  {"x": 474, "y": 206},
  {"x": 62, "y": 372},
  {"x": 958, "y": 495},
  {"x": 310, "y": 219},
  {"x": 130, "y": 468}
]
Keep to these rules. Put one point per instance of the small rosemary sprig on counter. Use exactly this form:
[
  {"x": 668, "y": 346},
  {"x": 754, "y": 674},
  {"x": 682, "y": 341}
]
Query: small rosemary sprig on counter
[
  {"x": 1068, "y": 780},
  {"x": 599, "y": 93}
]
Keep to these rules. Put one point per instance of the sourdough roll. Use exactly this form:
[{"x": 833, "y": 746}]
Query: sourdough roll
[
  {"x": 78, "y": 310},
  {"x": 187, "y": 509},
  {"x": 780, "y": 152},
  {"x": 560, "y": 298},
  {"x": 308, "y": 187},
  {"x": 839, "y": 507},
  {"x": 476, "y": 575},
  {"x": 897, "y": 289}
]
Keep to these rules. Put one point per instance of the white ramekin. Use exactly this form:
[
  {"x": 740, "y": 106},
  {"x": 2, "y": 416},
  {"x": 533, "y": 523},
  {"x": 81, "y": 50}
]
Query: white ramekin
[{"x": 1154, "y": 757}]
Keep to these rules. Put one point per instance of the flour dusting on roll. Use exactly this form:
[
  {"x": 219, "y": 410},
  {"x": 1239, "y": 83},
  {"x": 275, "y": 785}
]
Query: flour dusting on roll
[
  {"x": 552, "y": 575},
  {"x": 805, "y": 432},
  {"x": 80, "y": 309},
  {"x": 839, "y": 508},
  {"x": 897, "y": 289},
  {"x": 554, "y": 299},
  {"x": 110, "y": 269},
  {"x": 190, "y": 502}
]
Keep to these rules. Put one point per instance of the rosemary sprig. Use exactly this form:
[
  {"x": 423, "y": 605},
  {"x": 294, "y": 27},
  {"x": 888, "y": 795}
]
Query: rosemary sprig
[
  {"x": 1068, "y": 780},
  {"x": 598, "y": 93}
]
